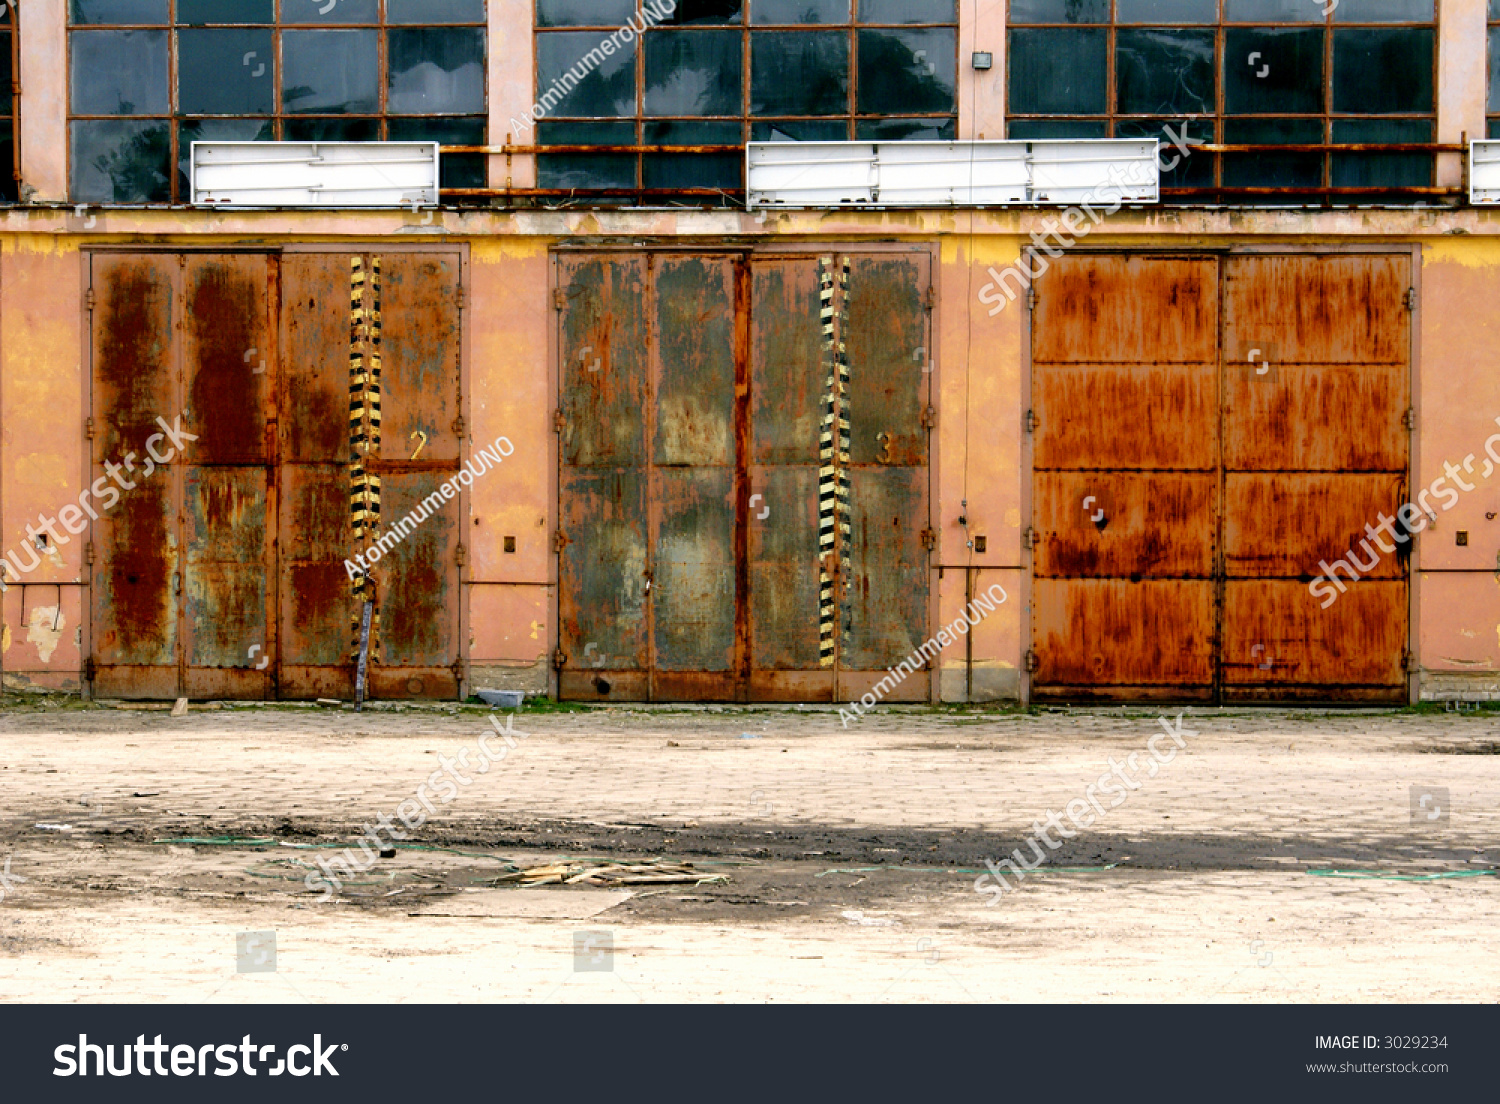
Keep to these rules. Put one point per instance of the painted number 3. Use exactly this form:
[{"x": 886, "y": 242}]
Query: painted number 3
[{"x": 884, "y": 456}]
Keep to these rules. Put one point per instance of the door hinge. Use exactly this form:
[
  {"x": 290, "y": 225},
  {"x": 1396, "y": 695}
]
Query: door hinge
[
  {"x": 1033, "y": 661},
  {"x": 931, "y": 297},
  {"x": 88, "y": 428},
  {"x": 559, "y": 541},
  {"x": 88, "y": 553},
  {"x": 1031, "y": 298},
  {"x": 1028, "y": 537},
  {"x": 929, "y": 539},
  {"x": 461, "y": 555},
  {"x": 462, "y": 297},
  {"x": 559, "y": 298},
  {"x": 559, "y": 659},
  {"x": 1410, "y": 299},
  {"x": 89, "y": 670},
  {"x": 460, "y": 427},
  {"x": 929, "y": 417},
  {"x": 1408, "y": 661},
  {"x": 88, "y": 299},
  {"x": 559, "y": 422},
  {"x": 1409, "y": 419},
  {"x": 1031, "y": 421}
]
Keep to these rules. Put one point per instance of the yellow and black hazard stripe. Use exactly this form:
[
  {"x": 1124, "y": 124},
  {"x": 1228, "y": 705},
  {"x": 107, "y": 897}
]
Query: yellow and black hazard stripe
[
  {"x": 364, "y": 425},
  {"x": 842, "y": 508},
  {"x": 827, "y": 473}
]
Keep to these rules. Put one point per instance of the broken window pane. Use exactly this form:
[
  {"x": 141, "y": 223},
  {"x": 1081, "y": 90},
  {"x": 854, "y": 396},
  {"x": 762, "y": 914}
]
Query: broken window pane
[
  {"x": 121, "y": 161},
  {"x": 330, "y": 72},
  {"x": 215, "y": 130},
  {"x": 1266, "y": 168},
  {"x": 907, "y": 71},
  {"x": 149, "y": 12},
  {"x": 196, "y": 13},
  {"x": 459, "y": 170},
  {"x": 582, "y": 13},
  {"x": 906, "y": 130},
  {"x": 1189, "y": 167},
  {"x": 435, "y": 70},
  {"x": 799, "y": 73},
  {"x": 1168, "y": 11},
  {"x": 1272, "y": 70},
  {"x": 1382, "y": 72},
  {"x": 1057, "y": 72},
  {"x": 799, "y": 11},
  {"x": 224, "y": 72},
  {"x": 694, "y": 72},
  {"x": 435, "y": 11},
  {"x": 120, "y": 73},
  {"x": 319, "y": 11},
  {"x": 1059, "y": 11},
  {"x": 1382, "y": 170},
  {"x": 1164, "y": 72},
  {"x": 908, "y": 11},
  {"x": 607, "y": 84}
]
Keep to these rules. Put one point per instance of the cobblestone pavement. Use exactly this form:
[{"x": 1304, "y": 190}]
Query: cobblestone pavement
[{"x": 850, "y": 857}]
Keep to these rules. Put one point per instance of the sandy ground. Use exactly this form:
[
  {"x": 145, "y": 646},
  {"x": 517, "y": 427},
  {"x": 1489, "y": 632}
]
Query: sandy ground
[{"x": 843, "y": 861}]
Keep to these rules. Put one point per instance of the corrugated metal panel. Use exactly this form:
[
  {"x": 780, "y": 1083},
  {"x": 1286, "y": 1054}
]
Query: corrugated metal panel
[{"x": 964, "y": 174}]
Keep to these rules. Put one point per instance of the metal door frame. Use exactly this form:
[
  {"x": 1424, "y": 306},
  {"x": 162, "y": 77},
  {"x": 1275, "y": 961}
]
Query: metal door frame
[{"x": 1412, "y": 250}]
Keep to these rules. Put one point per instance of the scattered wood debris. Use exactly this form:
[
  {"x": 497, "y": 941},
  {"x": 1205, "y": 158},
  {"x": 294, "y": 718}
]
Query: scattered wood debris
[{"x": 595, "y": 873}]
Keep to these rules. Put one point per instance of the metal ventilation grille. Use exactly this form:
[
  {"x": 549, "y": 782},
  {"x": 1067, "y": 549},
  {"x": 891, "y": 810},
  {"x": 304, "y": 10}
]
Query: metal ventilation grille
[
  {"x": 315, "y": 174},
  {"x": 952, "y": 174}
]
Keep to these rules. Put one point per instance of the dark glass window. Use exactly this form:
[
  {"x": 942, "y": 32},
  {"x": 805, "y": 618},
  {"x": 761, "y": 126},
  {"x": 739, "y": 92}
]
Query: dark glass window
[
  {"x": 1263, "y": 73},
  {"x": 729, "y": 71},
  {"x": 149, "y": 77},
  {"x": 9, "y": 133}
]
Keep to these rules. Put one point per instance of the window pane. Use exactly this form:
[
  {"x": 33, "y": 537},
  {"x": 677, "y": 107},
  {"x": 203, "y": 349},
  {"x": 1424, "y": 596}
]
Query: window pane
[
  {"x": 458, "y": 170},
  {"x": 1273, "y": 71},
  {"x": 192, "y": 13},
  {"x": 225, "y": 72},
  {"x": 585, "y": 170},
  {"x": 908, "y": 11},
  {"x": 214, "y": 130},
  {"x": 121, "y": 161},
  {"x": 1059, "y": 11},
  {"x": 906, "y": 130},
  {"x": 437, "y": 70},
  {"x": 680, "y": 133},
  {"x": 1384, "y": 11},
  {"x": 1190, "y": 168},
  {"x": 1375, "y": 72},
  {"x": 331, "y": 130},
  {"x": 799, "y": 11},
  {"x": 1273, "y": 11},
  {"x": 1494, "y": 100},
  {"x": 800, "y": 130},
  {"x": 320, "y": 11},
  {"x": 435, "y": 11},
  {"x": 152, "y": 12},
  {"x": 1057, "y": 72},
  {"x": 7, "y": 160},
  {"x": 692, "y": 170},
  {"x": 1162, "y": 72},
  {"x": 799, "y": 73},
  {"x": 1354, "y": 170},
  {"x": 1169, "y": 11},
  {"x": 1267, "y": 169},
  {"x": 694, "y": 72},
  {"x": 608, "y": 84},
  {"x": 120, "y": 73},
  {"x": 330, "y": 72},
  {"x": 704, "y": 12},
  {"x": 902, "y": 72},
  {"x": 582, "y": 13},
  {"x": 1036, "y": 129}
]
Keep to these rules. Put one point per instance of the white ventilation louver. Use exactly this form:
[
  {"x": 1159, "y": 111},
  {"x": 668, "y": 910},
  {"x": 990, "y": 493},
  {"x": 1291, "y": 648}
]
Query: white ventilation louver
[
  {"x": 315, "y": 174},
  {"x": 1484, "y": 172},
  {"x": 952, "y": 174}
]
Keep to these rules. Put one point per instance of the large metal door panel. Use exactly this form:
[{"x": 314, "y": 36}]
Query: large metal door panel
[
  {"x": 1121, "y": 309},
  {"x": 1317, "y": 308},
  {"x": 419, "y": 355},
  {"x": 1170, "y": 412},
  {"x": 885, "y": 598},
  {"x": 226, "y": 600},
  {"x": 784, "y": 576},
  {"x": 602, "y": 364},
  {"x": 1316, "y": 417},
  {"x": 1125, "y": 524},
  {"x": 1287, "y": 523},
  {"x": 229, "y": 357}
]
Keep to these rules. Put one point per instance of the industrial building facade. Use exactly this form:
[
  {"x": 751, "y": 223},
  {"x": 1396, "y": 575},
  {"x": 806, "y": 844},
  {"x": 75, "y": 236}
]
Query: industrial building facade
[{"x": 1233, "y": 446}]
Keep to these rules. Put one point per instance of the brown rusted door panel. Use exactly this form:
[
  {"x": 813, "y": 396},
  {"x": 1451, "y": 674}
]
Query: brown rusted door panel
[
  {"x": 784, "y": 568},
  {"x": 1287, "y": 523},
  {"x": 1145, "y": 416},
  {"x": 1118, "y": 309},
  {"x": 318, "y": 604},
  {"x": 228, "y": 356},
  {"x": 787, "y": 374},
  {"x": 887, "y": 343},
  {"x": 694, "y": 357},
  {"x": 1278, "y": 634},
  {"x": 225, "y": 581},
  {"x": 692, "y": 591},
  {"x": 603, "y": 570},
  {"x": 136, "y": 576},
  {"x": 1113, "y": 633},
  {"x": 418, "y": 577},
  {"x": 315, "y": 365},
  {"x": 419, "y": 319},
  {"x": 1126, "y": 524},
  {"x": 884, "y": 607},
  {"x": 603, "y": 377},
  {"x": 1316, "y": 417},
  {"x": 1317, "y": 309}
]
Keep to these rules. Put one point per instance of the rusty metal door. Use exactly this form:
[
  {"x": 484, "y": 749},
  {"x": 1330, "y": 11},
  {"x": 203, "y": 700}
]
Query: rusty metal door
[
  {"x": 1193, "y": 464},
  {"x": 744, "y": 475}
]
